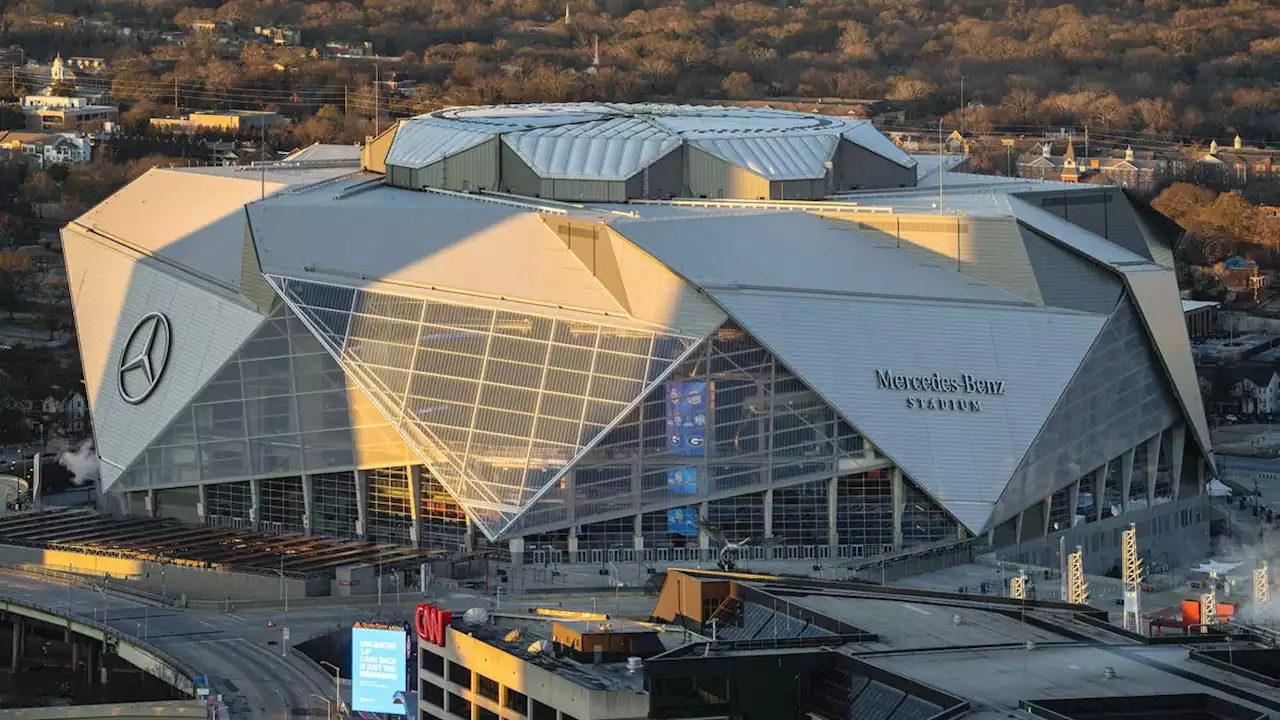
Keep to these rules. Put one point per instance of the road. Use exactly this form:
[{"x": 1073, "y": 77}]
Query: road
[{"x": 231, "y": 649}]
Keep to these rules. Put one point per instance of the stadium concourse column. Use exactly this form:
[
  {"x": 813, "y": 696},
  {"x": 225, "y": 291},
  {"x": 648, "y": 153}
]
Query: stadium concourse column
[
  {"x": 202, "y": 503},
  {"x": 1099, "y": 486},
  {"x": 255, "y": 503},
  {"x": 768, "y": 513},
  {"x": 517, "y": 551},
  {"x": 899, "y": 500},
  {"x": 307, "y": 503},
  {"x": 415, "y": 503},
  {"x": 362, "y": 503},
  {"x": 1177, "y": 446},
  {"x": 833, "y": 510},
  {"x": 704, "y": 540},
  {"x": 637, "y": 538},
  {"x": 150, "y": 502},
  {"x": 1126, "y": 479},
  {"x": 1153, "y": 464}
]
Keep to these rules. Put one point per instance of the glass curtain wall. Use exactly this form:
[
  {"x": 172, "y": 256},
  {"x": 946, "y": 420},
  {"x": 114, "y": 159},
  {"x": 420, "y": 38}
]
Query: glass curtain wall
[
  {"x": 731, "y": 419},
  {"x": 282, "y": 505},
  {"x": 334, "y": 507},
  {"x": 498, "y": 402},
  {"x": 390, "y": 506}
]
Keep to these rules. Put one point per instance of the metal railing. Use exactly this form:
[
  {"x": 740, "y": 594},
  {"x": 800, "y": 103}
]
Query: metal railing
[{"x": 182, "y": 669}]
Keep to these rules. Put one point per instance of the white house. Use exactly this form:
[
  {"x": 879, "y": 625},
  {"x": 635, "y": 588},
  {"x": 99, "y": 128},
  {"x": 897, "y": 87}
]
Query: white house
[
  {"x": 45, "y": 149},
  {"x": 76, "y": 408},
  {"x": 1258, "y": 390}
]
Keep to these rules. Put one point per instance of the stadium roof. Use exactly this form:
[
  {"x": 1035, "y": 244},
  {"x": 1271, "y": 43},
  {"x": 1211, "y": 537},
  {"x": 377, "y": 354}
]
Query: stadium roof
[{"x": 612, "y": 141}]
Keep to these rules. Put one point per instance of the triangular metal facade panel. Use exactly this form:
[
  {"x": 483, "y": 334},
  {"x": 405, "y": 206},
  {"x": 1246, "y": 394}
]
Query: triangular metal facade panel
[
  {"x": 1118, "y": 399},
  {"x": 498, "y": 403},
  {"x": 1155, "y": 292},
  {"x": 115, "y": 292},
  {"x": 953, "y": 393}
]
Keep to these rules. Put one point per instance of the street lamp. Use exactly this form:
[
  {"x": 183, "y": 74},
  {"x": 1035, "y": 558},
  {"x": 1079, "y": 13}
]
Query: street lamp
[
  {"x": 337, "y": 675},
  {"x": 328, "y": 706},
  {"x": 284, "y": 592}
]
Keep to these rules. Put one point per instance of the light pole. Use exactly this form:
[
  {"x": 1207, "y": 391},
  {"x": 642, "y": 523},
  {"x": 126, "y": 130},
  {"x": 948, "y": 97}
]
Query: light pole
[
  {"x": 337, "y": 675},
  {"x": 328, "y": 706},
  {"x": 284, "y": 592}
]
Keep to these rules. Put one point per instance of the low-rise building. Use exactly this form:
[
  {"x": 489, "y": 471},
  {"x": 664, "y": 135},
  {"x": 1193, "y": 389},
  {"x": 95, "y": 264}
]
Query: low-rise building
[
  {"x": 56, "y": 112},
  {"x": 44, "y": 150},
  {"x": 279, "y": 35},
  {"x": 227, "y": 121},
  {"x": 1201, "y": 317}
]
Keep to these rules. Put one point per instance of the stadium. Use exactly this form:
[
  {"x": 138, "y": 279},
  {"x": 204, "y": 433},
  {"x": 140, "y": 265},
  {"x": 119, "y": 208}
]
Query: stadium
[{"x": 596, "y": 332}]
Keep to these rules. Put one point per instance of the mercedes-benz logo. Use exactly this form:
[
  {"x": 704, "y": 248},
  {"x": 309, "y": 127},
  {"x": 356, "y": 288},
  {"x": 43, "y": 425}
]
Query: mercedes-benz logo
[{"x": 144, "y": 357}]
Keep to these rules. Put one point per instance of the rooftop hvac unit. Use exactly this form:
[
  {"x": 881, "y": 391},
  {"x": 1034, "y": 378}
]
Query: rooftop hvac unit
[{"x": 476, "y": 616}]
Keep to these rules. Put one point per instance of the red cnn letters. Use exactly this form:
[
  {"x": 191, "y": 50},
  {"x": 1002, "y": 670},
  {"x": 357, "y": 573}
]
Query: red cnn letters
[{"x": 430, "y": 622}]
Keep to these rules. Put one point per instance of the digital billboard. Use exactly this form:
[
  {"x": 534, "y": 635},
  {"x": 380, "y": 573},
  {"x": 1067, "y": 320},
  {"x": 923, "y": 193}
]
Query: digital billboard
[
  {"x": 680, "y": 521},
  {"x": 687, "y": 417},
  {"x": 378, "y": 670}
]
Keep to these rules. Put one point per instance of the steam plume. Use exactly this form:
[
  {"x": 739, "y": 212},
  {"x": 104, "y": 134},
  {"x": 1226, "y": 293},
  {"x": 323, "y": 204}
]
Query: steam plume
[{"x": 83, "y": 463}]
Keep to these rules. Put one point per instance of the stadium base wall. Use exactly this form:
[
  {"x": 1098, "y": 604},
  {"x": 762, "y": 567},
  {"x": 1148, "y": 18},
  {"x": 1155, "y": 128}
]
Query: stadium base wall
[{"x": 175, "y": 581}]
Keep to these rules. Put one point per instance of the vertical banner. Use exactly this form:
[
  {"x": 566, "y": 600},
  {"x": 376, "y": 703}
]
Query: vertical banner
[
  {"x": 687, "y": 417},
  {"x": 682, "y": 482}
]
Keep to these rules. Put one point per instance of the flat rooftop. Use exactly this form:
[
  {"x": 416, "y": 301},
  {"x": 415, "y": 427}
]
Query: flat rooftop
[
  {"x": 604, "y": 676},
  {"x": 1000, "y": 655}
]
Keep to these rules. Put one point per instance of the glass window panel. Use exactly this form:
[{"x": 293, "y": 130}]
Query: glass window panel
[
  {"x": 509, "y": 398},
  {"x": 458, "y": 316},
  {"x": 558, "y": 431},
  {"x": 226, "y": 459},
  {"x": 394, "y": 332},
  {"x": 383, "y": 354},
  {"x": 450, "y": 365},
  {"x": 563, "y": 407},
  {"x": 275, "y": 455},
  {"x": 622, "y": 366},
  {"x": 443, "y": 388},
  {"x": 570, "y": 358},
  {"x": 390, "y": 306},
  {"x": 319, "y": 295},
  {"x": 624, "y": 341},
  {"x": 219, "y": 420},
  {"x": 517, "y": 350},
  {"x": 262, "y": 378},
  {"x": 270, "y": 416},
  {"x": 569, "y": 383},
  {"x": 521, "y": 376},
  {"x": 615, "y": 389},
  {"x": 328, "y": 449},
  {"x": 526, "y": 326},
  {"x": 506, "y": 423},
  {"x": 576, "y": 334},
  {"x": 323, "y": 411}
]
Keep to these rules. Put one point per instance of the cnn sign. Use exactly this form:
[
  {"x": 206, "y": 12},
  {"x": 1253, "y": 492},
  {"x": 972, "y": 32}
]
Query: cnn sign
[{"x": 430, "y": 622}]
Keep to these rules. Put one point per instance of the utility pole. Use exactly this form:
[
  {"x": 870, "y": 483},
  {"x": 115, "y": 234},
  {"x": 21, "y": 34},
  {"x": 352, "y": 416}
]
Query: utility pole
[
  {"x": 377, "y": 93},
  {"x": 962, "y": 105},
  {"x": 941, "y": 171},
  {"x": 176, "y": 110}
]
